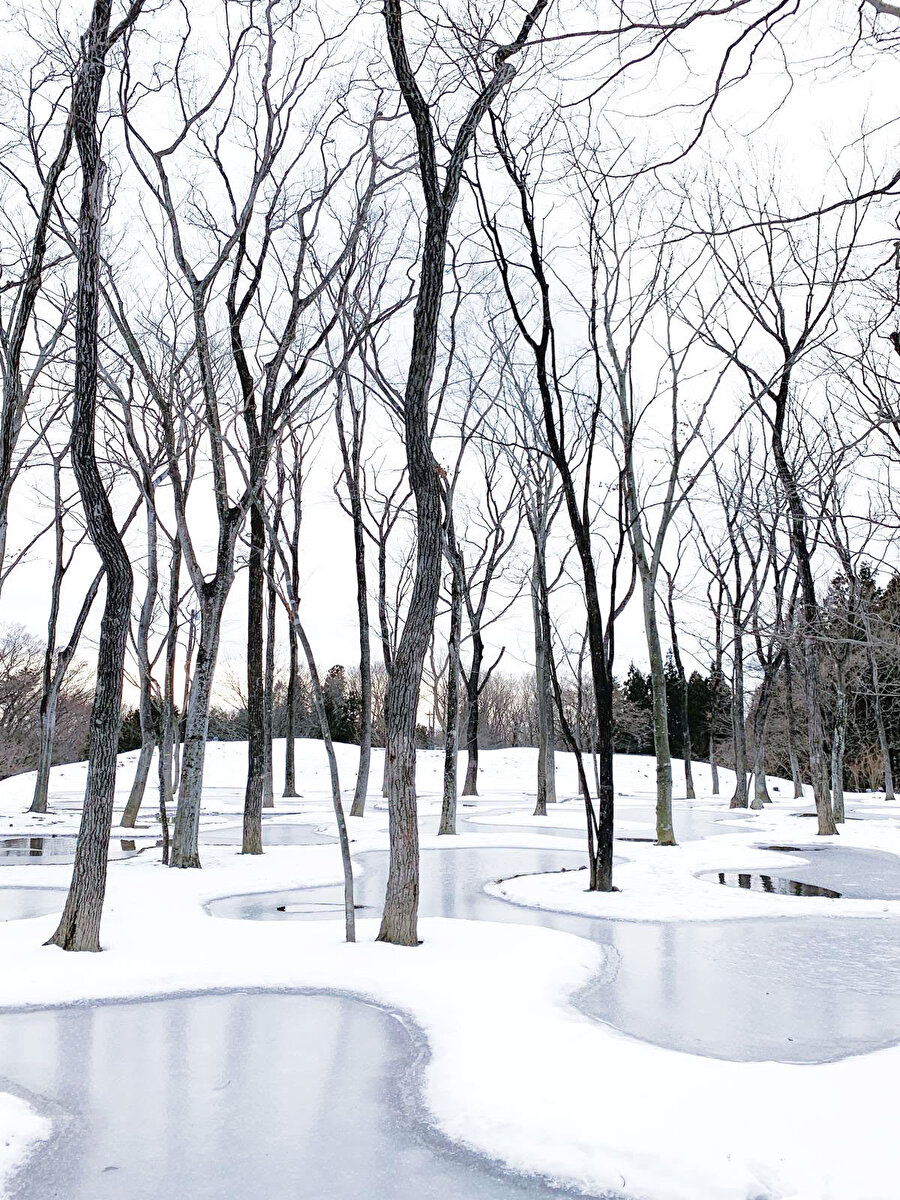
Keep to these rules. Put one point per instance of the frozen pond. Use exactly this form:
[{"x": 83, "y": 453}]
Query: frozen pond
[
  {"x": 692, "y": 821},
  {"x": 236, "y": 1097},
  {"x": 808, "y": 989},
  {"x": 274, "y": 833},
  {"x": 59, "y": 849},
  {"x": 832, "y": 871},
  {"x": 19, "y": 903}
]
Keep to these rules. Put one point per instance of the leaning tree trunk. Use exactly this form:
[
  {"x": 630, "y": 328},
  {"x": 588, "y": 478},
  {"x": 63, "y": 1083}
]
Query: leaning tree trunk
[
  {"x": 343, "y": 839},
  {"x": 79, "y": 926},
  {"x": 473, "y": 695},
  {"x": 451, "y": 713}
]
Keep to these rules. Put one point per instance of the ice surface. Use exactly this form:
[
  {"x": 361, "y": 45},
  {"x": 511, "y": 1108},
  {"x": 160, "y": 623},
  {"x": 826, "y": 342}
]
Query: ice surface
[
  {"x": 811, "y": 990},
  {"x": 236, "y": 1097}
]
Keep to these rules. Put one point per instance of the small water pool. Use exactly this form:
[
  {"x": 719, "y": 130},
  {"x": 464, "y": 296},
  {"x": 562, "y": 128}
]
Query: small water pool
[{"x": 58, "y": 849}]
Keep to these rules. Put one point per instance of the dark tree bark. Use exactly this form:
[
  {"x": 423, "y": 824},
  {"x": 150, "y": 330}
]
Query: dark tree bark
[
  {"x": 290, "y": 763},
  {"x": 79, "y": 926},
  {"x": 551, "y": 403},
  {"x": 269, "y": 684}
]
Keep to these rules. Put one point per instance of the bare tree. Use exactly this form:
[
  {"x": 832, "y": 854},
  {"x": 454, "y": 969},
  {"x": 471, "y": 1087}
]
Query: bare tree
[
  {"x": 495, "y": 72},
  {"x": 79, "y": 926}
]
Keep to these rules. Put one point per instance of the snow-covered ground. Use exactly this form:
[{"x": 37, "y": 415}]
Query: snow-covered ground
[{"x": 516, "y": 1070}]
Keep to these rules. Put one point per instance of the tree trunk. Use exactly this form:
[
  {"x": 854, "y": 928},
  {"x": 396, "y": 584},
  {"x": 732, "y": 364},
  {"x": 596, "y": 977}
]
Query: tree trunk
[
  {"x": 792, "y": 725},
  {"x": 473, "y": 692},
  {"x": 763, "y": 704},
  {"x": 290, "y": 769},
  {"x": 815, "y": 729},
  {"x": 256, "y": 724},
  {"x": 343, "y": 839},
  {"x": 79, "y": 926},
  {"x": 141, "y": 775},
  {"x": 351, "y": 472},
  {"x": 451, "y": 718},
  {"x": 665, "y": 834},
  {"x": 683, "y": 689},
  {"x": 399, "y": 922},
  {"x": 546, "y": 770},
  {"x": 269, "y": 688},
  {"x": 838, "y": 742},
  {"x": 883, "y": 742},
  {"x": 401, "y": 905},
  {"x": 142, "y": 643},
  {"x": 45, "y": 752},
  {"x": 740, "y": 799},
  {"x": 167, "y": 714},
  {"x": 185, "y": 843}
]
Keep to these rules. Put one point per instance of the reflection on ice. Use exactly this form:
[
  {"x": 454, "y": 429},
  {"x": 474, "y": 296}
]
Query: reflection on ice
[
  {"x": 56, "y": 848},
  {"x": 236, "y": 1097},
  {"x": 755, "y": 882}
]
